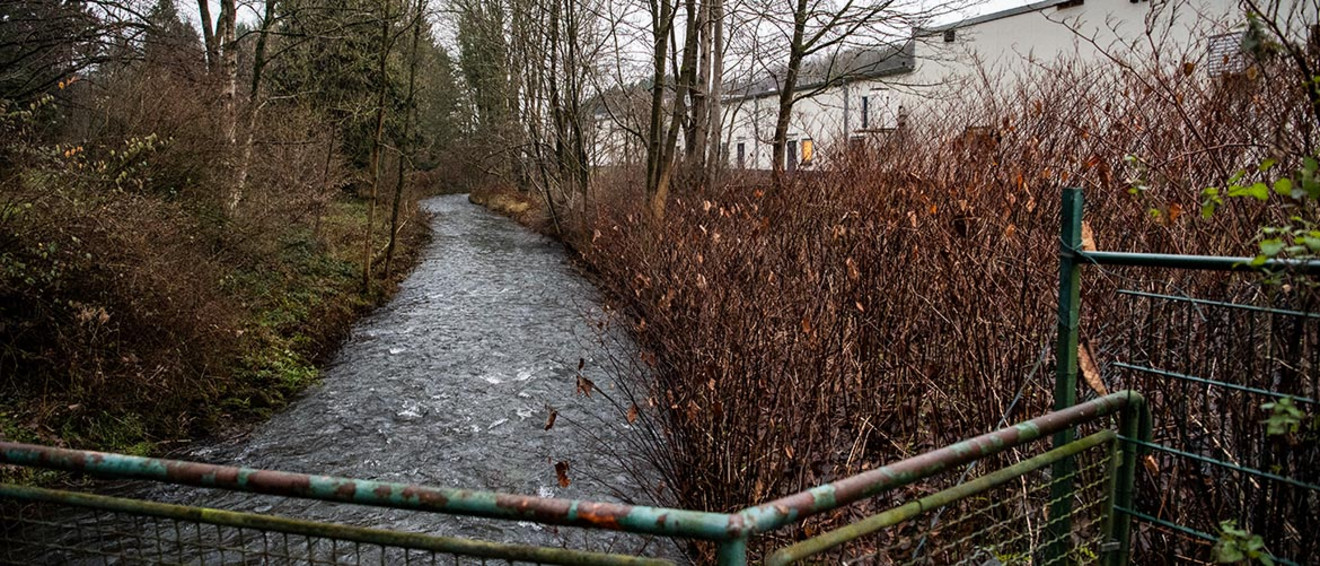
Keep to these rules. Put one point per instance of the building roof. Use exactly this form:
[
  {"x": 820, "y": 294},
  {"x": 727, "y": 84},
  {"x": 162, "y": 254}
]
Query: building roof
[
  {"x": 990, "y": 17},
  {"x": 850, "y": 65}
]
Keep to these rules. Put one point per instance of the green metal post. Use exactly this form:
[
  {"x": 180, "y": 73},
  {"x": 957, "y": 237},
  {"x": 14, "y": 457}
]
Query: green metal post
[
  {"x": 1065, "y": 381},
  {"x": 1107, "y": 544},
  {"x": 732, "y": 552},
  {"x": 1119, "y": 543}
]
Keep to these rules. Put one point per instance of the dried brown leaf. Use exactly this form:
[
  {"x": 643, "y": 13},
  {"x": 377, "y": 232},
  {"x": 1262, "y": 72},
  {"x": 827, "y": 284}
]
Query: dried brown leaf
[
  {"x": 1090, "y": 372},
  {"x": 585, "y": 386},
  {"x": 1151, "y": 465},
  {"x": 1088, "y": 238},
  {"x": 561, "y": 472}
]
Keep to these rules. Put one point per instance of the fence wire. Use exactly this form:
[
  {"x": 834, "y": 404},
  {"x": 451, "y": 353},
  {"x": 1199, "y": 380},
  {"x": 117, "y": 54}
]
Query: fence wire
[
  {"x": 30, "y": 536},
  {"x": 1006, "y": 525},
  {"x": 1214, "y": 373},
  {"x": 51, "y": 533}
]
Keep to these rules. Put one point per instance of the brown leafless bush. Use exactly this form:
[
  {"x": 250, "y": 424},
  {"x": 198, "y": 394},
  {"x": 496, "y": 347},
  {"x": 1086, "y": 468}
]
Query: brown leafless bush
[
  {"x": 133, "y": 307},
  {"x": 897, "y": 301}
]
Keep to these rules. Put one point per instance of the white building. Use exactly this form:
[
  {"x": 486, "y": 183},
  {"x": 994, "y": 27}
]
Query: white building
[
  {"x": 859, "y": 95},
  {"x": 940, "y": 61},
  {"x": 845, "y": 97}
]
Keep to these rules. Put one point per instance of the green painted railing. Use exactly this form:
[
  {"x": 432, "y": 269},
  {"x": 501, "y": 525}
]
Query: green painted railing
[
  {"x": 1053, "y": 530},
  {"x": 730, "y": 531},
  {"x": 1200, "y": 398}
]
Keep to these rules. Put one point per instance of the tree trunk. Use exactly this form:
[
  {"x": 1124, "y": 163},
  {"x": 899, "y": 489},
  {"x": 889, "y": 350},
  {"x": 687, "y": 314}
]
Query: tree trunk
[
  {"x": 381, "y": 90},
  {"x": 226, "y": 72},
  {"x": 208, "y": 37},
  {"x": 715, "y": 158},
  {"x": 795, "y": 55},
  {"x": 685, "y": 77},
  {"x": 577, "y": 142},
  {"x": 662, "y": 19},
  {"x": 700, "y": 96},
  {"x": 254, "y": 102},
  {"x": 406, "y": 142}
]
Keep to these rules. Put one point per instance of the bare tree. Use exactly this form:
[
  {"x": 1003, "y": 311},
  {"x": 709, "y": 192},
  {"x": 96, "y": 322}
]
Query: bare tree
[
  {"x": 221, "y": 42},
  {"x": 405, "y": 144},
  {"x": 821, "y": 26}
]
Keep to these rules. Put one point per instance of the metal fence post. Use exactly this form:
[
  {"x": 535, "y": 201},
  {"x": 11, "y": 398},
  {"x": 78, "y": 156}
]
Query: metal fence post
[
  {"x": 732, "y": 552},
  {"x": 1118, "y": 545},
  {"x": 1065, "y": 381}
]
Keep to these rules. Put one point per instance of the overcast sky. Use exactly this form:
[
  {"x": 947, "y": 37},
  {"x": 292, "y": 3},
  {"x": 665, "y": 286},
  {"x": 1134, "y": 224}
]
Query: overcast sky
[{"x": 248, "y": 10}]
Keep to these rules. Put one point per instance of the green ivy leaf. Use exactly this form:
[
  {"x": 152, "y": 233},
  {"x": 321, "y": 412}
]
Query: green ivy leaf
[
  {"x": 1266, "y": 164},
  {"x": 1311, "y": 187},
  {"x": 1210, "y": 201},
  {"x": 1237, "y": 545},
  {"x": 1228, "y": 554},
  {"x": 1271, "y": 247},
  {"x": 1284, "y": 417},
  {"x": 1284, "y": 187},
  {"x": 1312, "y": 242}
]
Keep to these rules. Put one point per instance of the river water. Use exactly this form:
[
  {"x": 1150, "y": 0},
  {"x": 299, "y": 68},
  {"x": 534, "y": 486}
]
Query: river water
[{"x": 451, "y": 384}]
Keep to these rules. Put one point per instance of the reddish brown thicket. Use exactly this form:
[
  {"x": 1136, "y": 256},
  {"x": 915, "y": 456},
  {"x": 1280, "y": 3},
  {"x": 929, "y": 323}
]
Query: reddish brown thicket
[{"x": 898, "y": 300}]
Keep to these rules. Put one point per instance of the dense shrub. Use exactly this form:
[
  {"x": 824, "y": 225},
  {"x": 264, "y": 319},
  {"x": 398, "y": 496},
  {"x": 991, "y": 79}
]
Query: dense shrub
[
  {"x": 135, "y": 308},
  {"x": 900, "y": 298}
]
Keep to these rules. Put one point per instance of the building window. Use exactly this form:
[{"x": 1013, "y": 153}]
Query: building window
[
  {"x": 807, "y": 152},
  {"x": 950, "y": 36},
  {"x": 1224, "y": 55},
  {"x": 866, "y": 112},
  {"x": 792, "y": 157},
  {"x": 742, "y": 155}
]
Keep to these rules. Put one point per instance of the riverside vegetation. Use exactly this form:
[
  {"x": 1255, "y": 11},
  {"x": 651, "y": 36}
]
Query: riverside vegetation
[
  {"x": 903, "y": 297},
  {"x": 189, "y": 225}
]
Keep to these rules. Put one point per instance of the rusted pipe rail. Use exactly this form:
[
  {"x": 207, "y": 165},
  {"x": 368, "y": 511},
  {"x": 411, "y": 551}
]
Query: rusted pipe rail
[{"x": 731, "y": 530}]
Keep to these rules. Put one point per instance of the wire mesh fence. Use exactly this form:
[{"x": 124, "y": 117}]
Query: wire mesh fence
[
  {"x": 111, "y": 538},
  {"x": 1013, "y": 526},
  {"x": 1007, "y": 524},
  {"x": 1014, "y": 510},
  {"x": 108, "y": 530},
  {"x": 1233, "y": 385}
]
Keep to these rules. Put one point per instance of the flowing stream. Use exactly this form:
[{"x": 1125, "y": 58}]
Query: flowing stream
[{"x": 450, "y": 384}]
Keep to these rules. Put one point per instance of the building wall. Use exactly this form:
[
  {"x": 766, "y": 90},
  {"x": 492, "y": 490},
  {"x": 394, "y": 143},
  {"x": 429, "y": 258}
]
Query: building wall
[
  {"x": 826, "y": 120},
  {"x": 1010, "y": 46},
  {"x": 1005, "y": 47}
]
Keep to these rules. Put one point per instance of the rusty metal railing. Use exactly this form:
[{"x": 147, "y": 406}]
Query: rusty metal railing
[
  {"x": 729, "y": 531},
  {"x": 995, "y": 518}
]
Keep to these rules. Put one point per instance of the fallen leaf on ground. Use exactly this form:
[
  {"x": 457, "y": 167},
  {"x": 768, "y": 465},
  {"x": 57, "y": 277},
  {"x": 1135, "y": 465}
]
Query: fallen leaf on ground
[
  {"x": 561, "y": 472},
  {"x": 585, "y": 386}
]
